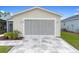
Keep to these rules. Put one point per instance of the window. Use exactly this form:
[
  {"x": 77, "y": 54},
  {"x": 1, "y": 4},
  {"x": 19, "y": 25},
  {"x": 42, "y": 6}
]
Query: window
[{"x": 72, "y": 25}]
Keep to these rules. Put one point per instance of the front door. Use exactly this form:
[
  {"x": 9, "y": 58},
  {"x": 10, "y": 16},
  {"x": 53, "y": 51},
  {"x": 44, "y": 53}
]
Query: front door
[{"x": 10, "y": 26}]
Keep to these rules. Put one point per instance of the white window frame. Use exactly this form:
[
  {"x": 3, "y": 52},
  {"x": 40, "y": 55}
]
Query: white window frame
[{"x": 38, "y": 19}]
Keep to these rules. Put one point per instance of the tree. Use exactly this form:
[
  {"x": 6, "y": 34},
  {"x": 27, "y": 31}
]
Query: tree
[
  {"x": 2, "y": 26},
  {"x": 4, "y": 16}
]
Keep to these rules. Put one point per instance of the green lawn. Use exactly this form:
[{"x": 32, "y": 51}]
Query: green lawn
[
  {"x": 71, "y": 38},
  {"x": 5, "y": 49}
]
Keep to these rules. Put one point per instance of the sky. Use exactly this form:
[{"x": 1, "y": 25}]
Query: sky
[{"x": 66, "y": 11}]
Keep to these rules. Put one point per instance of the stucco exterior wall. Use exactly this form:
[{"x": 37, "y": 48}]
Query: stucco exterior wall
[{"x": 18, "y": 20}]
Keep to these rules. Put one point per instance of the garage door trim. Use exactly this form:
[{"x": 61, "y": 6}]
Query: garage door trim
[{"x": 38, "y": 19}]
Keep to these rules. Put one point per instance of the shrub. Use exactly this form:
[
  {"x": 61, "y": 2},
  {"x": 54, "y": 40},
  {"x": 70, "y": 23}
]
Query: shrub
[
  {"x": 9, "y": 35},
  {"x": 12, "y": 35},
  {"x": 17, "y": 33},
  {"x": 64, "y": 30}
]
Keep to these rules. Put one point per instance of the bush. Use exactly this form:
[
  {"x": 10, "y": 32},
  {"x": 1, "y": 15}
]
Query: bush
[
  {"x": 17, "y": 33},
  {"x": 64, "y": 30},
  {"x": 9, "y": 35},
  {"x": 12, "y": 35}
]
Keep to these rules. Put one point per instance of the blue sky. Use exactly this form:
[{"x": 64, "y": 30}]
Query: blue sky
[{"x": 65, "y": 10}]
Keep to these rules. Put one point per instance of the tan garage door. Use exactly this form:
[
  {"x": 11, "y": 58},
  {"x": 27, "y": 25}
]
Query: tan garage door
[{"x": 39, "y": 27}]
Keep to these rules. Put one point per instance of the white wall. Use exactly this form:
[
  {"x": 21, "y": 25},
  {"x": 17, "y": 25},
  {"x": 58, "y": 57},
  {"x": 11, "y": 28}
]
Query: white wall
[{"x": 37, "y": 13}]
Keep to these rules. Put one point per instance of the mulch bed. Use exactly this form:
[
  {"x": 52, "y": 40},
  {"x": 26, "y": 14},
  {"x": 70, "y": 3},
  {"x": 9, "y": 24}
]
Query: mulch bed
[{"x": 3, "y": 38}]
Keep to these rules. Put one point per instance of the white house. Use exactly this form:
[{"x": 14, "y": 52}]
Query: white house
[
  {"x": 71, "y": 23},
  {"x": 36, "y": 22}
]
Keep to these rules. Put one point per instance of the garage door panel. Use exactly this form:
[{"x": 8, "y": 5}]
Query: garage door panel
[
  {"x": 39, "y": 27},
  {"x": 47, "y": 27}
]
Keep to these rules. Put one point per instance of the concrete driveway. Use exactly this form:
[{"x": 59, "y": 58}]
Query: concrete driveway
[{"x": 45, "y": 45}]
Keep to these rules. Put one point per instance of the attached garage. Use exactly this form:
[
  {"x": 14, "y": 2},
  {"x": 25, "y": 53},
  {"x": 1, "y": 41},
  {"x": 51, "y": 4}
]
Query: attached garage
[
  {"x": 39, "y": 27},
  {"x": 37, "y": 21}
]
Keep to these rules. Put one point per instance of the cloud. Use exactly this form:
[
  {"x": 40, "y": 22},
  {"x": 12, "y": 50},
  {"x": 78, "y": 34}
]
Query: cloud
[
  {"x": 77, "y": 9},
  {"x": 76, "y": 13}
]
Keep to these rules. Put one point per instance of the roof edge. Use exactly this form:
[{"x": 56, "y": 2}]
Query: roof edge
[
  {"x": 67, "y": 19},
  {"x": 39, "y": 8}
]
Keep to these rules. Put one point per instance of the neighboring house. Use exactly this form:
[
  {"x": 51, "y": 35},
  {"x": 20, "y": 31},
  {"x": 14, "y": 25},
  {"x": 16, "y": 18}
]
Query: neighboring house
[
  {"x": 71, "y": 23},
  {"x": 36, "y": 21}
]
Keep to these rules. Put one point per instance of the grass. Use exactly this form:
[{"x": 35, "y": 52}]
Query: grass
[
  {"x": 71, "y": 38},
  {"x": 5, "y": 49}
]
